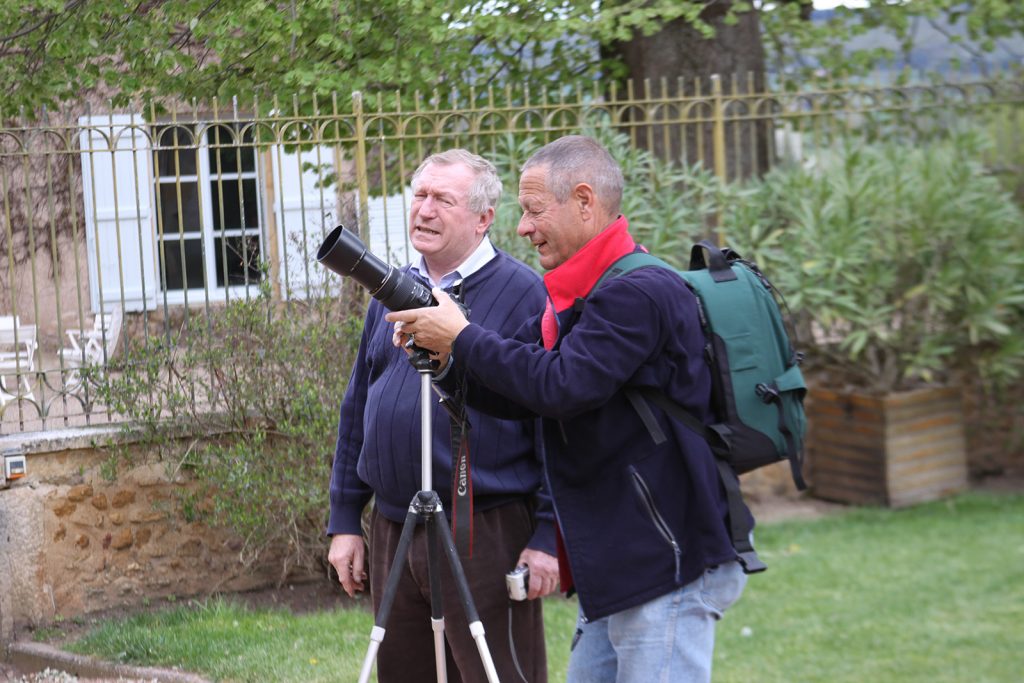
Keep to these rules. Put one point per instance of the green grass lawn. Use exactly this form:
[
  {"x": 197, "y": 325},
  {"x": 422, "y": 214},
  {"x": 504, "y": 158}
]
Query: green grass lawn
[{"x": 931, "y": 594}]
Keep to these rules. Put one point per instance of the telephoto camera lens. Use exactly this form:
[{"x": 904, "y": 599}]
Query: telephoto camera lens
[{"x": 345, "y": 254}]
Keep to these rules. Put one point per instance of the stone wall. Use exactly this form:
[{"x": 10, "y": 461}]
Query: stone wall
[{"x": 73, "y": 541}]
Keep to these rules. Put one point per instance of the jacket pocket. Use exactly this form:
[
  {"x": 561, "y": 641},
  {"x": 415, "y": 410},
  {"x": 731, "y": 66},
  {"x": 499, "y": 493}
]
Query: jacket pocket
[{"x": 647, "y": 500}]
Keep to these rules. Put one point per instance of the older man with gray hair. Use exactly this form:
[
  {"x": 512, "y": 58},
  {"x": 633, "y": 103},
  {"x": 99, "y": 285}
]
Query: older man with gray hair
[{"x": 378, "y": 452}]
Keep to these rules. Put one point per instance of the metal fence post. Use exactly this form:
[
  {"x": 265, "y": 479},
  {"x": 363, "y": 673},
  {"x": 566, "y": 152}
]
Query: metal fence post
[
  {"x": 361, "y": 180},
  {"x": 718, "y": 150},
  {"x": 718, "y": 129}
]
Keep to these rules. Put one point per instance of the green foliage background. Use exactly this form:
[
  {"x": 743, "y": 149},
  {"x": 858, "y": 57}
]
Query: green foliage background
[
  {"x": 245, "y": 401},
  {"x": 53, "y": 52},
  {"x": 906, "y": 260},
  {"x": 668, "y": 206}
]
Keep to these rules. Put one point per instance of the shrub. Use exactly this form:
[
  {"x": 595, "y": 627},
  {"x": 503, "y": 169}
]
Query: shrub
[
  {"x": 246, "y": 399},
  {"x": 906, "y": 263}
]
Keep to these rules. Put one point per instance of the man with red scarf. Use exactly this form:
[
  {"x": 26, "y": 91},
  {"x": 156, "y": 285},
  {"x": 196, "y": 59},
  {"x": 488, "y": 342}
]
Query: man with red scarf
[{"x": 643, "y": 529}]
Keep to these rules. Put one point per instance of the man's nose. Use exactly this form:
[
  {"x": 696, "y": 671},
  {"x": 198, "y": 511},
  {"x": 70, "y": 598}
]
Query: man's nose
[
  {"x": 525, "y": 226},
  {"x": 428, "y": 206}
]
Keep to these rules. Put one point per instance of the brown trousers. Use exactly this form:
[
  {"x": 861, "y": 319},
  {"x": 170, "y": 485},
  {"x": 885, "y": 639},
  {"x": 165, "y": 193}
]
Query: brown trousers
[{"x": 407, "y": 652}]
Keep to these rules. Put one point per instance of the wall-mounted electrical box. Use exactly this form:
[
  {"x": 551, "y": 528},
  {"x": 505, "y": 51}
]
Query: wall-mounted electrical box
[{"x": 13, "y": 467}]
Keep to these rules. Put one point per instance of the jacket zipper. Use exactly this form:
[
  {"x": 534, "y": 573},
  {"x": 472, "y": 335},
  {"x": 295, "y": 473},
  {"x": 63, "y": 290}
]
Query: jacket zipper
[{"x": 659, "y": 522}]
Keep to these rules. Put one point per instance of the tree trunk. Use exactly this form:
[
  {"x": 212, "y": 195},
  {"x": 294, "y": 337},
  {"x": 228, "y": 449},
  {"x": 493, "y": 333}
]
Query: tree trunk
[{"x": 679, "y": 61}]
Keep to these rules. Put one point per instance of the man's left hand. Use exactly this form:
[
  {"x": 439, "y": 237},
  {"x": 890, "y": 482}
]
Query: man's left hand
[{"x": 434, "y": 328}]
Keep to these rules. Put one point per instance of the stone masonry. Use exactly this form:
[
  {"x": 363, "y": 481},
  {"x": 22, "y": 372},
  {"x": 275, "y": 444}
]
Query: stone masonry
[{"x": 73, "y": 541}]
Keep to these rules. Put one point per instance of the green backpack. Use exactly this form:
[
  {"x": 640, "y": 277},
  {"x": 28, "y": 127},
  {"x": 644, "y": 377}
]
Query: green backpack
[{"x": 757, "y": 388}]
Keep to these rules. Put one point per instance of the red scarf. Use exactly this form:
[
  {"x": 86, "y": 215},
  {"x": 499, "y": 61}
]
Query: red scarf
[{"x": 574, "y": 278}]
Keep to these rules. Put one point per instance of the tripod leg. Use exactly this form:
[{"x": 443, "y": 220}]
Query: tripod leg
[
  {"x": 436, "y": 606},
  {"x": 388, "y": 597},
  {"x": 476, "y": 628}
]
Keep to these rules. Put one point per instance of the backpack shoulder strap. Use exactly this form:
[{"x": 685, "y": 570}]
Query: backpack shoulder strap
[{"x": 627, "y": 263}]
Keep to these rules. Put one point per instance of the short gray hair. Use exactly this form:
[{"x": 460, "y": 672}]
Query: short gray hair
[
  {"x": 576, "y": 159},
  {"x": 485, "y": 191}
]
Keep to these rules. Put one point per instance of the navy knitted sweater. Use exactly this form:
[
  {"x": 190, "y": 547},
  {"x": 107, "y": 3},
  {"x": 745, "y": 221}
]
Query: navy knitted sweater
[{"x": 378, "y": 448}]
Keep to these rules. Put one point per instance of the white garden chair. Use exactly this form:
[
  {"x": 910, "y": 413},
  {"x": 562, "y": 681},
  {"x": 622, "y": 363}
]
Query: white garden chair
[
  {"x": 17, "y": 358},
  {"x": 92, "y": 348}
]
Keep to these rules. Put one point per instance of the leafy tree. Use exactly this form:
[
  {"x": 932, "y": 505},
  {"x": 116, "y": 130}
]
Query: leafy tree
[
  {"x": 972, "y": 30},
  {"x": 708, "y": 38},
  {"x": 52, "y": 51},
  {"x": 738, "y": 39}
]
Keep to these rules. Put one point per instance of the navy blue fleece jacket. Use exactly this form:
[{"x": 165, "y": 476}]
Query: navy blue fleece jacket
[
  {"x": 378, "y": 448},
  {"x": 637, "y": 519}
]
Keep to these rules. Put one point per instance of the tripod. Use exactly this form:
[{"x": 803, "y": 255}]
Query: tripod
[{"x": 426, "y": 506}]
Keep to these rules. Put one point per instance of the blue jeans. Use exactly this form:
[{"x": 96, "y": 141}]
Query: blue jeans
[{"x": 667, "y": 640}]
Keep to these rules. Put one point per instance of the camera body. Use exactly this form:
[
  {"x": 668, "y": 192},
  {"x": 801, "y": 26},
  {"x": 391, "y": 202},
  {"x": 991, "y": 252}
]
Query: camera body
[{"x": 518, "y": 582}]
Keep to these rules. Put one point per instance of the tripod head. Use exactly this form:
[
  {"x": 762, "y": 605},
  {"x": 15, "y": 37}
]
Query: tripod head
[{"x": 420, "y": 358}]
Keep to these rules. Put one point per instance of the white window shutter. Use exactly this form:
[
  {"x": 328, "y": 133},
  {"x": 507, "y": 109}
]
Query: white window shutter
[
  {"x": 305, "y": 210},
  {"x": 117, "y": 190}
]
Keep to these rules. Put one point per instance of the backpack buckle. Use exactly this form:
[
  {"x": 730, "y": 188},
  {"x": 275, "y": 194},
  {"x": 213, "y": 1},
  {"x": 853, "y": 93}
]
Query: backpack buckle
[
  {"x": 751, "y": 563},
  {"x": 767, "y": 393}
]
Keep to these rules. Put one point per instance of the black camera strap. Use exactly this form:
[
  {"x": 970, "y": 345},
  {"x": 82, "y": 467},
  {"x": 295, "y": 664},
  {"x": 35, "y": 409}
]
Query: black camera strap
[
  {"x": 462, "y": 475},
  {"x": 462, "y": 487}
]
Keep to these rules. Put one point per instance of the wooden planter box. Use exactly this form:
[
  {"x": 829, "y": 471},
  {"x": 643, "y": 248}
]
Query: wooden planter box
[{"x": 894, "y": 450}]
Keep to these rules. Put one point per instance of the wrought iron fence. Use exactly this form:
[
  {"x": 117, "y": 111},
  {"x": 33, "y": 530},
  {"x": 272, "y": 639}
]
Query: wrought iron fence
[{"x": 119, "y": 226}]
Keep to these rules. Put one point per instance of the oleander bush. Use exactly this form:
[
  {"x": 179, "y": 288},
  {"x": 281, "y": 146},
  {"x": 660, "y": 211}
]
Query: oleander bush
[{"x": 904, "y": 264}]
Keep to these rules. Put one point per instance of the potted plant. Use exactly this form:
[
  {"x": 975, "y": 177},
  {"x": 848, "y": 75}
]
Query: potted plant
[{"x": 905, "y": 266}]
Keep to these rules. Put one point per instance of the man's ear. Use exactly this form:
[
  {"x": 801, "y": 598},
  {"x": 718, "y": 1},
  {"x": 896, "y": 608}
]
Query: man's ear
[
  {"x": 486, "y": 219},
  {"x": 585, "y": 199}
]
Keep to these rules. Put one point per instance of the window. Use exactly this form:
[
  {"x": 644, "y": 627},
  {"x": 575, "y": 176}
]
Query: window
[
  {"x": 180, "y": 212},
  {"x": 207, "y": 207}
]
